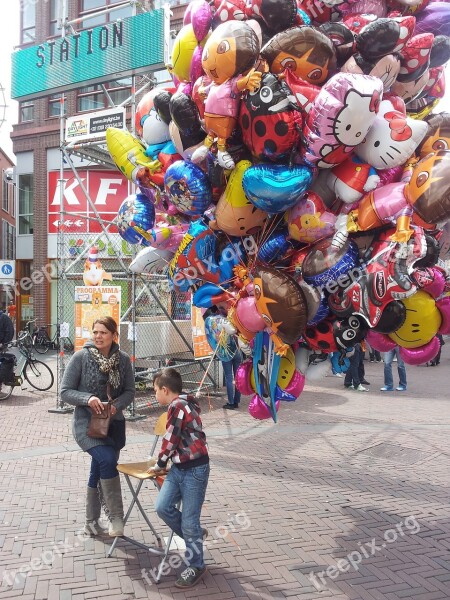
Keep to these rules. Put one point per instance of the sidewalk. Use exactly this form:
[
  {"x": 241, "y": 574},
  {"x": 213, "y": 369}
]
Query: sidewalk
[{"x": 346, "y": 498}]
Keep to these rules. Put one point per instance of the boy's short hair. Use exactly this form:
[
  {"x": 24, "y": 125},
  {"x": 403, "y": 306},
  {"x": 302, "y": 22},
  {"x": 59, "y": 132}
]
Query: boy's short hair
[{"x": 169, "y": 378}]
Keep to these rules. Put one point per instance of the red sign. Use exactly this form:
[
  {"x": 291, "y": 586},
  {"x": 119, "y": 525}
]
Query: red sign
[{"x": 107, "y": 190}]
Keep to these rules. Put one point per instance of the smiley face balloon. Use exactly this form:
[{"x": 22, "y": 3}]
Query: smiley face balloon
[{"x": 422, "y": 322}]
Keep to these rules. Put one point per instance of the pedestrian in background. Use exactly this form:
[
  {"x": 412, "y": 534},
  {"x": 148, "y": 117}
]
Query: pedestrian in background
[{"x": 389, "y": 358}]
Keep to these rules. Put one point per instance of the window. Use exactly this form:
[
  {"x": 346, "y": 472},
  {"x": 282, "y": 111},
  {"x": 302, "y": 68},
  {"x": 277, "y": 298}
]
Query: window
[
  {"x": 25, "y": 185},
  {"x": 92, "y": 97},
  {"x": 88, "y": 6},
  {"x": 8, "y": 241},
  {"x": 5, "y": 192},
  {"x": 54, "y": 103},
  {"x": 28, "y": 29},
  {"x": 26, "y": 111},
  {"x": 54, "y": 17}
]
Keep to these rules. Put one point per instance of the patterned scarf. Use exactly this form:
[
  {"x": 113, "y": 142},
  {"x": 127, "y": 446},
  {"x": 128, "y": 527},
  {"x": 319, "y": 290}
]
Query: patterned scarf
[{"x": 108, "y": 365}]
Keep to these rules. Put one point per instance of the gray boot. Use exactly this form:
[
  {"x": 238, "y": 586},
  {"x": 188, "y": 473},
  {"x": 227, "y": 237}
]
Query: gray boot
[
  {"x": 112, "y": 494},
  {"x": 93, "y": 507}
]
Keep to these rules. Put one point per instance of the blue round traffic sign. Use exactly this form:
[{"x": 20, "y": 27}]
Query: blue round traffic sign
[{"x": 7, "y": 269}]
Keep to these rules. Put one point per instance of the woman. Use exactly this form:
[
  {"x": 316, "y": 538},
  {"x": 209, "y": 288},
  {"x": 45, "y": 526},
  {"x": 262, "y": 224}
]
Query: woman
[{"x": 93, "y": 371}]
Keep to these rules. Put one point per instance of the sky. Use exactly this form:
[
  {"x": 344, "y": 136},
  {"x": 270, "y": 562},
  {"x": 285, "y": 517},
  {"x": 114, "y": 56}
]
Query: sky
[{"x": 9, "y": 37}]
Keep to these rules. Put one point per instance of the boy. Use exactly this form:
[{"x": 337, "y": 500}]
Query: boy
[{"x": 184, "y": 443}]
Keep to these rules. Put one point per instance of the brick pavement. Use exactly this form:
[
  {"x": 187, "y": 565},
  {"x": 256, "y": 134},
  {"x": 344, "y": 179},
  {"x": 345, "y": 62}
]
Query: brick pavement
[{"x": 346, "y": 497}]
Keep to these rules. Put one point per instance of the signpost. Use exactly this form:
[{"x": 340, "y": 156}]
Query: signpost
[{"x": 93, "y": 125}]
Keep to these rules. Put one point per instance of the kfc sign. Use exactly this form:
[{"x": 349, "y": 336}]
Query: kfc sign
[{"x": 107, "y": 190}]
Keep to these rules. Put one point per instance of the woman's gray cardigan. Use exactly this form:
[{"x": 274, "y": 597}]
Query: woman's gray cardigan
[{"x": 83, "y": 379}]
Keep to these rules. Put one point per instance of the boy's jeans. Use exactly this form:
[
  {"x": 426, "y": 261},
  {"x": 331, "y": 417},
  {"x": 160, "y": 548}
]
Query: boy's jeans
[
  {"x": 189, "y": 486},
  {"x": 388, "y": 359}
]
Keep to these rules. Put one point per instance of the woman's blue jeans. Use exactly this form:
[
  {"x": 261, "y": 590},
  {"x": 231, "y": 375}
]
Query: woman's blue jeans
[
  {"x": 103, "y": 464},
  {"x": 388, "y": 358},
  {"x": 189, "y": 487},
  {"x": 229, "y": 368}
]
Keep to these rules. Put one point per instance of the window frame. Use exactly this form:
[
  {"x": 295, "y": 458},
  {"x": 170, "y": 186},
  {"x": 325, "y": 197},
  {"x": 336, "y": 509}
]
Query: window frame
[{"x": 26, "y": 217}]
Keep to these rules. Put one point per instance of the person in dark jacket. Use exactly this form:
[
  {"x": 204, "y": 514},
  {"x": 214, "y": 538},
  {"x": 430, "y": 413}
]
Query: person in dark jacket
[
  {"x": 97, "y": 371},
  {"x": 6, "y": 328}
]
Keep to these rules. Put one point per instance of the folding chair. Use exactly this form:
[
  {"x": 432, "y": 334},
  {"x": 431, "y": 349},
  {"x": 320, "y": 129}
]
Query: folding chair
[{"x": 138, "y": 470}]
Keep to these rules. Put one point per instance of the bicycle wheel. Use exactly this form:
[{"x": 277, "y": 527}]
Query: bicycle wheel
[
  {"x": 5, "y": 391},
  {"x": 39, "y": 375},
  {"x": 68, "y": 346},
  {"x": 41, "y": 344}
]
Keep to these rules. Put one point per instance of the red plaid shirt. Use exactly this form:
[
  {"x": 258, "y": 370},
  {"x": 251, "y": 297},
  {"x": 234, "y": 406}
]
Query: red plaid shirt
[{"x": 185, "y": 440}]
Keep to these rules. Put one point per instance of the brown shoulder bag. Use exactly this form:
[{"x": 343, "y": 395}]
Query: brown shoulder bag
[{"x": 99, "y": 425}]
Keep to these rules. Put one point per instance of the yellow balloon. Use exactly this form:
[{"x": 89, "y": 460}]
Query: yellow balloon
[
  {"x": 128, "y": 154},
  {"x": 182, "y": 51},
  {"x": 285, "y": 374},
  {"x": 234, "y": 214},
  {"x": 422, "y": 322}
]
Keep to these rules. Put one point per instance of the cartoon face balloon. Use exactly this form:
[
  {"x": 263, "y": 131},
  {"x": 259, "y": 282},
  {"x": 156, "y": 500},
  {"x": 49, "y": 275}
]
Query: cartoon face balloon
[
  {"x": 149, "y": 124},
  {"x": 438, "y": 135},
  {"x": 135, "y": 219},
  {"x": 188, "y": 188},
  {"x": 422, "y": 322},
  {"x": 392, "y": 138},
  {"x": 309, "y": 220},
  {"x": 306, "y": 51}
]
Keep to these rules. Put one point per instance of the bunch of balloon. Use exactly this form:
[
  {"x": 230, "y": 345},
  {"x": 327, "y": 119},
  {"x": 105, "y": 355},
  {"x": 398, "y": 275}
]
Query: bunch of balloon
[{"x": 299, "y": 178}]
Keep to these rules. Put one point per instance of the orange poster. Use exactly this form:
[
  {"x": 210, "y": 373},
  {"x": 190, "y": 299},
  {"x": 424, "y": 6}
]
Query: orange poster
[
  {"x": 91, "y": 303},
  {"x": 199, "y": 342}
]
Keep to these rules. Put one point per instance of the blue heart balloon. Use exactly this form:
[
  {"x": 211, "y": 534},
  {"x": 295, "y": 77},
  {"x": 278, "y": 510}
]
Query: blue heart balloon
[{"x": 275, "y": 188}]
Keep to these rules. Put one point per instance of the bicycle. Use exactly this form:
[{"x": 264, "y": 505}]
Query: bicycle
[
  {"x": 38, "y": 374},
  {"x": 42, "y": 341},
  {"x": 27, "y": 335}
]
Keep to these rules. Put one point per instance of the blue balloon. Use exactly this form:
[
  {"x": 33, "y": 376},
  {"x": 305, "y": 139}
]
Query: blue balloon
[
  {"x": 135, "y": 218},
  {"x": 322, "y": 312},
  {"x": 275, "y": 188},
  {"x": 218, "y": 338},
  {"x": 325, "y": 264},
  {"x": 188, "y": 187},
  {"x": 275, "y": 247}
]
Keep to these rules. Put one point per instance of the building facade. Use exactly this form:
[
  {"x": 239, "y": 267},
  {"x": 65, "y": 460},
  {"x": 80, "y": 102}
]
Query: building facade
[
  {"x": 7, "y": 226},
  {"x": 36, "y": 141}
]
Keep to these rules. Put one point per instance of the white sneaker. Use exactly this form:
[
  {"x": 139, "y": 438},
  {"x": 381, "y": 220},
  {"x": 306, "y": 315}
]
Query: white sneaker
[
  {"x": 361, "y": 388},
  {"x": 338, "y": 375}
]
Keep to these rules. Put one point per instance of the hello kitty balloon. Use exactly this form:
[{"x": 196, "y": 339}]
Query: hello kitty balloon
[
  {"x": 340, "y": 118},
  {"x": 392, "y": 139}
]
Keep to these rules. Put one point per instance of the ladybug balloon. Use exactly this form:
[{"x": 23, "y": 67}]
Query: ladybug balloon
[{"x": 270, "y": 123}]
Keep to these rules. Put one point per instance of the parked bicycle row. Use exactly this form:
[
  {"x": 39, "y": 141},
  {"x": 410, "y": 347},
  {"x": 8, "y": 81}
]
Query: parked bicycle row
[{"x": 39, "y": 338}]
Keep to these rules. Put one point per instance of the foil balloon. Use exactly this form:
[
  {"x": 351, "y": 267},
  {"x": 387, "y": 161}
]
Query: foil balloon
[
  {"x": 392, "y": 138},
  {"x": 259, "y": 409},
  {"x": 352, "y": 179},
  {"x": 242, "y": 378},
  {"x": 340, "y": 118},
  {"x": 275, "y": 188},
  {"x": 306, "y": 51},
  {"x": 136, "y": 216},
  {"x": 435, "y": 18},
  {"x": 270, "y": 122},
  {"x": 201, "y": 17},
  {"x": 246, "y": 318},
  {"x": 422, "y": 321},
  {"x": 232, "y": 49},
  {"x": 228, "y": 10},
  {"x": 444, "y": 308},
  {"x": 149, "y": 125},
  {"x": 220, "y": 341},
  {"x": 234, "y": 213},
  {"x": 277, "y": 15},
  {"x": 392, "y": 317},
  {"x": 281, "y": 303},
  {"x": 274, "y": 248},
  {"x": 151, "y": 260},
  {"x": 438, "y": 135},
  {"x": 385, "y": 36},
  {"x": 182, "y": 51},
  {"x": 325, "y": 263},
  {"x": 379, "y": 341},
  {"x": 167, "y": 237},
  {"x": 129, "y": 156},
  {"x": 422, "y": 354},
  {"x": 188, "y": 188},
  {"x": 386, "y": 68},
  {"x": 294, "y": 388},
  {"x": 309, "y": 220},
  {"x": 185, "y": 115},
  {"x": 196, "y": 69},
  {"x": 266, "y": 364},
  {"x": 430, "y": 280}
]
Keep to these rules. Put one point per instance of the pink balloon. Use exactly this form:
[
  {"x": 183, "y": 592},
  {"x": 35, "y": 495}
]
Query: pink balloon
[
  {"x": 296, "y": 384},
  {"x": 379, "y": 341},
  {"x": 435, "y": 287},
  {"x": 390, "y": 175},
  {"x": 201, "y": 18},
  {"x": 444, "y": 308},
  {"x": 421, "y": 355},
  {"x": 242, "y": 378},
  {"x": 248, "y": 315},
  {"x": 258, "y": 408},
  {"x": 187, "y": 18},
  {"x": 196, "y": 69}
]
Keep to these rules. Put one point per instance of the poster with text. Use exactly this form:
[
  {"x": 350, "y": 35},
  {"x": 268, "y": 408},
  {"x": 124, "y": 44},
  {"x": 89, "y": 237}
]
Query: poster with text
[
  {"x": 199, "y": 342},
  {"x": 91, "y": 303}
]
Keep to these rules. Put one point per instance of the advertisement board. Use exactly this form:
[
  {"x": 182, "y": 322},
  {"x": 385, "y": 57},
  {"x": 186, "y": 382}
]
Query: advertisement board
[
  {"x": 91, "y": 303},
  {"x": 94, "y": 125},
  {"x": 199, "y": 342},
  {"x": 107, "y": 190}
]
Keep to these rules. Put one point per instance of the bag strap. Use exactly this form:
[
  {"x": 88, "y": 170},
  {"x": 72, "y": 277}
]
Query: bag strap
[{"x": 108, "y": 394}]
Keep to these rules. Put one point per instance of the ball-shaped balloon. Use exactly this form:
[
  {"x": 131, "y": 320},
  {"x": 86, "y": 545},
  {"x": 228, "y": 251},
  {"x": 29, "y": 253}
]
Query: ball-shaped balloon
[
  {"x": 259, "y": 409},
  {"x": 135, "y": 218},
  {"x": 422, "y": 322},
  {"x": 325, "y": 263},
  {"x": 218, "y": 337},
  {"x": 242, "y": 378},
  {"x": 422, "y": 354},
  {"x": 295, "y": 386},
  {"x": 392, "y": 317},
  {"x": 188, "y": 188}
]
